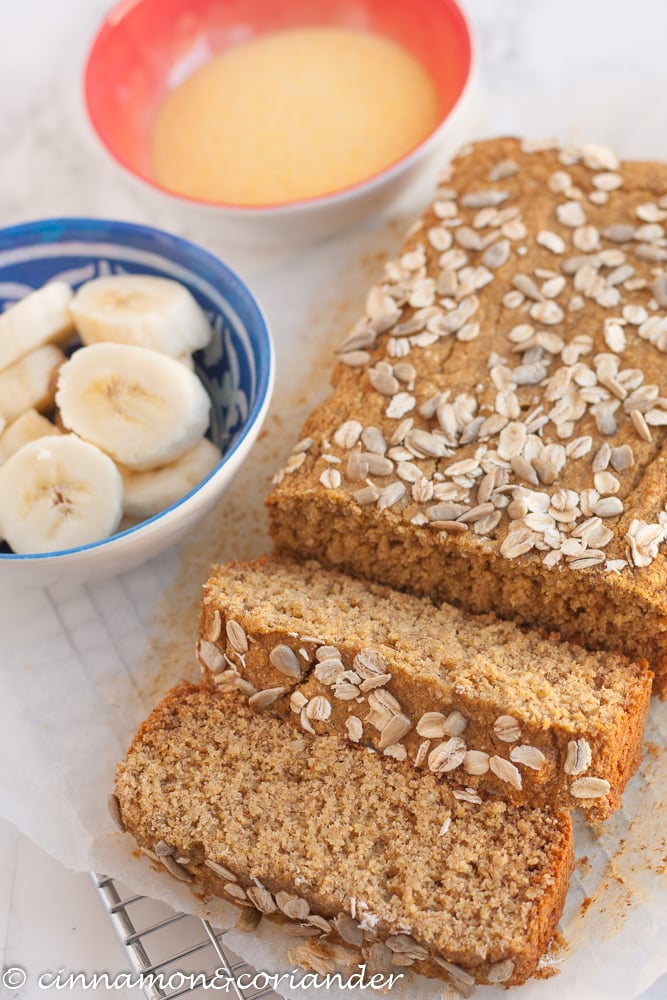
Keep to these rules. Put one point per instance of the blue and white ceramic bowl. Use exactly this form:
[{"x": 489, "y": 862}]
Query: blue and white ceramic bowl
[{"x": 237, "y": 369}]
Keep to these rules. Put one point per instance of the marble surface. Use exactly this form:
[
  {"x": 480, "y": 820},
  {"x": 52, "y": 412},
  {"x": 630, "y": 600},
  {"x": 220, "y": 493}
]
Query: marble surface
[{"x": 588, "y": 68}]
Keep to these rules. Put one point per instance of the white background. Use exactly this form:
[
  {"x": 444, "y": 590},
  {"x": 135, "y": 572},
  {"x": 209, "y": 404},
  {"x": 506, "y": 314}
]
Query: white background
[{"x": 585, "y": 68}]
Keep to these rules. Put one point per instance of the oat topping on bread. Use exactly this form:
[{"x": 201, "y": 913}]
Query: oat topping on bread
[{"x": 495, "y": 434}]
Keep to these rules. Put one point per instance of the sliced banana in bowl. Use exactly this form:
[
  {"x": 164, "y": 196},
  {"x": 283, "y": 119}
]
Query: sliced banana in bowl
[
  {"x": 120, "y": 406},
  {"x": 143, "y": 310},
  {"x": 111, "y": 433},
  {"x": 147, "y": 493},
  {"x": 142, "y": 408},
  {"x": 29, "y": 382},
  {"x": 28, "y": 427},
  {"x": 59, "y": 492},
  {"x": 42, "y": 317}
]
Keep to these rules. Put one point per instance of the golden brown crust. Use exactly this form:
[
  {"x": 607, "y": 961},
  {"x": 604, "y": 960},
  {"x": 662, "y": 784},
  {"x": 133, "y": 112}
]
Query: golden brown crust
[
  {"x": 209, "y": 779},
  {"x": 610, "y": 595}
]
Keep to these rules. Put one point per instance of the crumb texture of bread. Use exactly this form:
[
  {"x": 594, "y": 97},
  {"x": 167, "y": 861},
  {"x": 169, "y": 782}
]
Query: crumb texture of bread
[
  {"x": 497, "y": 429},
  {"x": 398, "y": 863},
  {"x": 494, "y": 706}
]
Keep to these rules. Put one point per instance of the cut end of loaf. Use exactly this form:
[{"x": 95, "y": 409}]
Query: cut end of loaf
[
  {"x": 475, "y": 886},
  {"x": 535, "y": 720}
]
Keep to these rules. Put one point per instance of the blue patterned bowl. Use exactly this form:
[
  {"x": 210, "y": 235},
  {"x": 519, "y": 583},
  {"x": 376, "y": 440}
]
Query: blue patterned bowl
[{"x": 237, "y": 369}]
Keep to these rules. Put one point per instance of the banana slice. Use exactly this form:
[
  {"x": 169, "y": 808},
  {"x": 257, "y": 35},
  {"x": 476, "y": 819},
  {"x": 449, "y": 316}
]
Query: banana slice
[
  {"x": 29, "y": 382},
  {"x": 40, "y": 318},
  {"x": 57, "y": 493},
  {"x": 28, "y": 427},
  {"x": 143, "y": 310},
  {"x": 140, "y": 407},
  {"x": 147, "y": 493}
]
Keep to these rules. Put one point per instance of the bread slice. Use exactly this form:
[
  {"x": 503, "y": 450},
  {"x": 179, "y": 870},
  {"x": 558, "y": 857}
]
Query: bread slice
[
  {"x": 497, "y": 432},
  {"x": 495, "y": 707},
  {"x": 356, "y": 848}
]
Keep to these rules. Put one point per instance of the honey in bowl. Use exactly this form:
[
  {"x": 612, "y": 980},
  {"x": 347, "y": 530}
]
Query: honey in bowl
[{"x": 291, "y": 115}]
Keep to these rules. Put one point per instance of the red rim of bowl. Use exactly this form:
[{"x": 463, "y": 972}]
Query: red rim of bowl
[{"x": 276, "y": 208}]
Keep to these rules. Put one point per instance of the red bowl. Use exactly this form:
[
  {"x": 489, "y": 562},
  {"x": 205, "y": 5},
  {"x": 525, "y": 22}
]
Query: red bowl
[{"x": 146, "y": 47}]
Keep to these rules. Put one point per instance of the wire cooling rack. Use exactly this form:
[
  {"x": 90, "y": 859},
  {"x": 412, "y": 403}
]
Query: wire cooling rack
[
  {"x": 174, "y": 947},
  {"x": 157, "y": 939}
]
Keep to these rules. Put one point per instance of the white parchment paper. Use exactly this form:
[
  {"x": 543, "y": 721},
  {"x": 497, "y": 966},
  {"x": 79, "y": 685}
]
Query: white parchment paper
[{"x": 81, "y": 668}]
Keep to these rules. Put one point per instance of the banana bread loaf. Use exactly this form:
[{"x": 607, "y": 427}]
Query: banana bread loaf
[
  {"x": 354, "y": 847},
  {"x": 496, "y": 433},
  {"x": 493, "y": 706}
]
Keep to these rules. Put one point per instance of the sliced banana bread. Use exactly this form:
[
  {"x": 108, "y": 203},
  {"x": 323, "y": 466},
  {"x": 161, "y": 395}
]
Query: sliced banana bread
[
  {"x": 356, "y": 848},
  {"x": 494, "y": 706}
]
